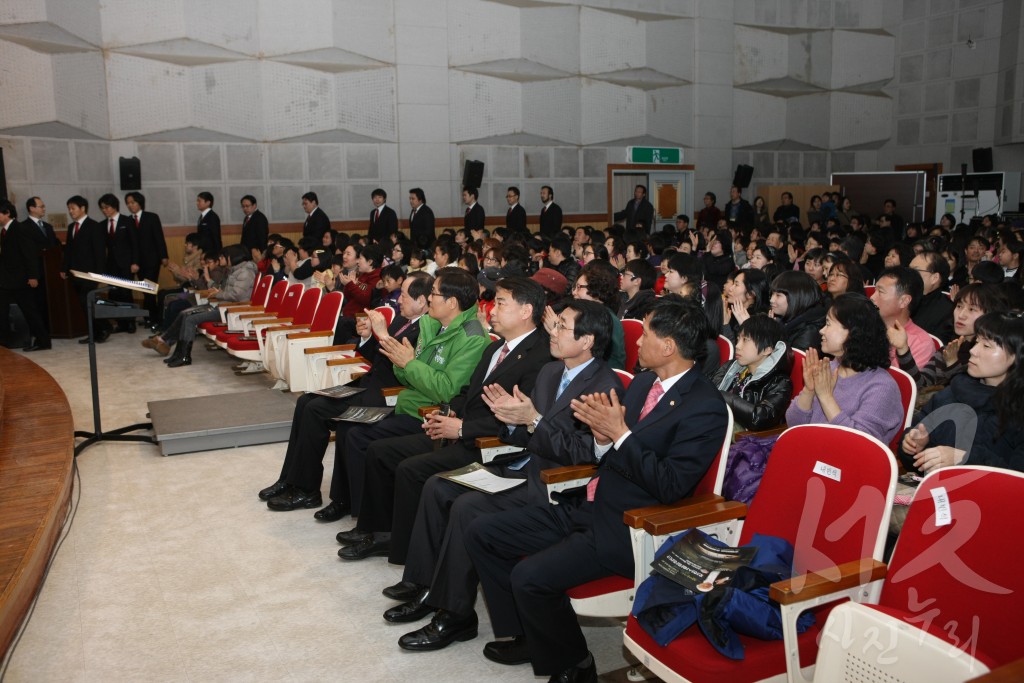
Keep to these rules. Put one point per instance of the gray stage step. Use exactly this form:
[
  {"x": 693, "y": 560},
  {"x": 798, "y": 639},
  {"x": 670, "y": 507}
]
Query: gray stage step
[{"x": 207, "y": 423}]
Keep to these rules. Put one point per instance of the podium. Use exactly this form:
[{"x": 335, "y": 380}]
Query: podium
[
  {"x": 67, "y": 320},
  {"x": 100, "y": 307}
]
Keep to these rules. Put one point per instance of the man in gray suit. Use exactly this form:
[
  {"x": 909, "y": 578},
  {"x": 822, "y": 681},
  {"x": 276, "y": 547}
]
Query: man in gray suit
[{"x": 439, "y": 574}]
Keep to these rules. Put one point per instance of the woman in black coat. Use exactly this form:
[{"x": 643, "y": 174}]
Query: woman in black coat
[{"x": 796, "y": 302}]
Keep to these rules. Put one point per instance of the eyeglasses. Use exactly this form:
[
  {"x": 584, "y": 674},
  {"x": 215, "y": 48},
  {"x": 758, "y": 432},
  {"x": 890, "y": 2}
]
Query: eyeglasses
[
  {"x": 923, "y": 270},
  {"x": 560, "y": 326},
  {"x": 630, "y": 276},
  {"x": 579, "y": 288},
  {"x": 433, "y": 293},
  {"x": 837, "y": 274}
]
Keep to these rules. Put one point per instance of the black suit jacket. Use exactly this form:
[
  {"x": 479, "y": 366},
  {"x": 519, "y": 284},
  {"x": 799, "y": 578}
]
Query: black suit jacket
[
  {"x": 515, "y": 218},
  {"x": 255, "y": 230},
  {"x": 634, "y": 215},
  {"x": 88, "y": 251},
  {"x": 662, "y": 461},
  {"x": 935, "y": 315},
  {"x": 19, "y": 257},
  {"x": 123, "y": 247},
  {"x": 560, "y": 439},
  {"x": 208, "y": 226},
  {"x": 152, "y": 245},
  {"x": 386, "y": 224},
  {"x": 474, "y": 219},
  {"x": 421, "y": 226},
  {"x": 519, "y": 368},
  {"x": 317, "y": 223},
  {"x": 382, "y": 370},
  {"x": 550, "y": 220},
  {"x": 45, "y": 238}
]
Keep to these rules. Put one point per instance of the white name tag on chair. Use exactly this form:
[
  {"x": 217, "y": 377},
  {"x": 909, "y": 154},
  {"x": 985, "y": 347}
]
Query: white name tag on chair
[
  {"x": 943, "y": 513},
  {"x": 827, "y": 470}
]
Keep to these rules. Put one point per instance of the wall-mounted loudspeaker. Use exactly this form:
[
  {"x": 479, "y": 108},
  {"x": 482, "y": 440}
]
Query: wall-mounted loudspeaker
[
  {"x": 473, "y": 174},
  {"x": 743, "y": 175},
  {"x": 131, "y": 174},
  {"x": 982, "y": 158}
]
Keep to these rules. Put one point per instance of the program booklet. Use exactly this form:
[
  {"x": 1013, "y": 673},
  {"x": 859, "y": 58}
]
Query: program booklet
[
  {"x": 479, "y": 478},
  {"x": 340, "y": 391},
  {"x": 696, "y": 563},
  {"x": 365, "y": 415}
]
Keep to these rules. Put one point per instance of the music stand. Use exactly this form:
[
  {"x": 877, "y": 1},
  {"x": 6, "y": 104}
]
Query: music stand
[{"x": 105, "y": 310}]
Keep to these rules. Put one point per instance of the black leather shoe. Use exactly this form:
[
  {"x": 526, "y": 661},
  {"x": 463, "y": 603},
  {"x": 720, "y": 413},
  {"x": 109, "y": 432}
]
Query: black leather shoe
[
  {"x": 410, "y": 611},
  {"x": 509, "y": 652},
  {"x": 332, "y": 513},
  {"x": 274, "y": 489},
  {"x": 102, "y": 336},
  {"x": 38, "y": 347},
  {"x": 294, "y": 498},
  {"x": 403, "y": 591},
  {"x": 353, "y": 536},
  {"x": 443, "y": 630},
  {"x": 577, "y": 674},
  {"x": 84, "y": 340},
  {"x": 365, "y": 549}
]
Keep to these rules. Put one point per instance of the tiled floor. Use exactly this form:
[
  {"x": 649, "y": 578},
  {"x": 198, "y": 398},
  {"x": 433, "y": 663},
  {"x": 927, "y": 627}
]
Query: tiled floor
[{"x": 174, "y": 571}]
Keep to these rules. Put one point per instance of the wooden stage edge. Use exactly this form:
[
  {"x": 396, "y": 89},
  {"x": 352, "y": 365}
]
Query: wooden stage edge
[{"x": 36, "y": 469}]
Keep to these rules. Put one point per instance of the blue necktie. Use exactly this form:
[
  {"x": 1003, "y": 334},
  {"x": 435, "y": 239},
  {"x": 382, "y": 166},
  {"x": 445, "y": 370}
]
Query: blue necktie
[{"x": 563, "y": 384}]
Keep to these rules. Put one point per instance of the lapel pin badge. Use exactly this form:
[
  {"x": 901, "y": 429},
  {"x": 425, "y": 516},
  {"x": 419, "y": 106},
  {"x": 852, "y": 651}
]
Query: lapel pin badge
[{"x": 671, "y": 403}]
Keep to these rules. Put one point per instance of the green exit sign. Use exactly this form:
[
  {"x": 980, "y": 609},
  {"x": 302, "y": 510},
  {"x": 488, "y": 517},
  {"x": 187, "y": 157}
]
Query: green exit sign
[{"x": 655, "y": 155}]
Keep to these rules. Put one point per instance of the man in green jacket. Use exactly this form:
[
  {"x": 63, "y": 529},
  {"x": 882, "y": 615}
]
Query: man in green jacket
[{"x": 450, "y": 344}]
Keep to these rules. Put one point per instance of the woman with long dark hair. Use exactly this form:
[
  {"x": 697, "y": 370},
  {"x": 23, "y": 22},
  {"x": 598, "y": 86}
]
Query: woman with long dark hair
[
  {"x": 796, "y": 302},
  {"x": 718, "y": 261},
  {"x": 746, "y": 296}
]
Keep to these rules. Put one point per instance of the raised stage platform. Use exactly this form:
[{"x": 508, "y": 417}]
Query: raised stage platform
[{"x": 207, "y": 423}]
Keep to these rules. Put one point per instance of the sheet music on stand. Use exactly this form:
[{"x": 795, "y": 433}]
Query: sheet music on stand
[{"x": 144, "y": 286}]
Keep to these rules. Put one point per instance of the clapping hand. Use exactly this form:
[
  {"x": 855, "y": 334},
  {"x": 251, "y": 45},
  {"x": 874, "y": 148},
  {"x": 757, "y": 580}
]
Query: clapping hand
[
  {"x": 897, "y": 335},
  {"x": 739, "y": 311},
  {"x": 378, "y": 324},
  {"x": 915, "y": 440},
  {"x": 938, "y": 456},
  {"x": 550, "y": 318},
  {"x": 824, "y": 379},
  {"x": 951, "y": 351},
  {"x": 603, "y": 414},
  {"x": 400, "y": 353},
  {"x": 809, "y": 369},
  {"x": 514, "y": 409}
]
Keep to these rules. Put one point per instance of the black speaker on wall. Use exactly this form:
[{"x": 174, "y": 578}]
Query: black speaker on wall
[
  {"x": 131, "y": 174},
  {"x": 3, "y": 176},
  {"x": 982, "y": 159},
  {"x": 473, "y": 174},
  {"x": 743, "y": 175}
]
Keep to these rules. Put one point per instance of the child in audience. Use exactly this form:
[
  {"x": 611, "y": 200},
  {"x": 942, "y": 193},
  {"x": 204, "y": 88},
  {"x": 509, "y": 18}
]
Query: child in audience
[{"x": 391, "y": 279}]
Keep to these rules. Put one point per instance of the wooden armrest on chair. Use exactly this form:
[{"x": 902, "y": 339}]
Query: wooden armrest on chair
[
  {"x": 763, "y": 433},
  {"x": 390, "y": 395},
  {"x": 1007, "y": 673},
  {"x": 351, "y": 360},
  {"x": 427, "y": 410},
  {"x": 244, "y": 309},
  {"x": 252, "y": 316},
  {"x": 312, "y": 335},
  {"x": 276, "y": 328},
  {"x": 272, "y": 321},
  {"x": 489, "y": 442},
  {"x": 330, "y": 349},
  {"x": 635, "y": 518},
  {"x": 356, "y": 375},
  {"x": 689, "y": 516},
  {"x": 815, "y": 585},
  {"x": 557, "y": 475}
]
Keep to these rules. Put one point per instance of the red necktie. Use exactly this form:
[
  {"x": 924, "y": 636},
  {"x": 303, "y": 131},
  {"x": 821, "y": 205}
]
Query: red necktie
[
  {"x": 509, "y": 212},
  {"x": 657, "y": 391},
  {"x": 376, "y": 215},
  {"x": 111, "y": 228},
  {"x": 136, "y": 220},
  {"x": 467, "y": 210},
  {"x": 501, "y": 356},
  {"x": 543, "y": 209},
  {"x": 74, "y": 232}
]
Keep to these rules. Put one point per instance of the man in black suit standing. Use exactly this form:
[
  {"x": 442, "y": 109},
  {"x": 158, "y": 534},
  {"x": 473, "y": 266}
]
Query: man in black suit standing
[
  {"x": 122, "y": 251},
  {"x": 474, "y": 218},
  {"x": 515, "y": 217},
  {"x": 653, "y": 448},
  {"x": 255, "y": 228},
  {"x": 639, "y": 213},
  {"x": 303, "y": 469},
  {"x": 43, "y": 234},
  {"x": 317, "y": 222},
  {"x": 208, "y": 225},
  {"x": 396, "y": 468},
  {"x": 85, "y": 250},
  {"x": 19, "y": 277},
  {"x": 550, "y": 213},
  {"x": 421, "y": 220},
  {"x": 383, "y": 219},
  {"x": 149, "y": 231},
  {"x": 544, "y": 425}
]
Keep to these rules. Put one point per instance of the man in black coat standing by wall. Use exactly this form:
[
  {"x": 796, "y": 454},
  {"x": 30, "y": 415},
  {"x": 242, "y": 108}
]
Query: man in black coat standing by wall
[
  {"x": 122, "y": 251},
  {"x": 19, "y": 276},
  {"x": 43, "y": 234},
  {"x": 149, "y": 233},
  {"x": 208, "y": 225},
  {"x": 317, "y": 222},
  {"x": 474, "y": 218},
  {"x": 85, "y": 250},
  {"x": 550, "y": 213},
  {"x": 255, "y": 228},
  {"x": 639, "y": 213},
  {"x": 515, "y": 217},
  {"x": 421, "y": 220},
  {"x": 383, "y": 219}
]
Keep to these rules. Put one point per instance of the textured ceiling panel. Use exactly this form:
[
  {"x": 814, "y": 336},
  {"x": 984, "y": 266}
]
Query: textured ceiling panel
[
  {"x": 298, "y": 101},
  {"x": 366, "y": 103},
  {"x": 552, "y": 109},
  {"x": 366, "y": 27},
  {"x": 482, "y": 107},
  {"x": 757, "y": 118},
  {"x": 230, "y": 24},
  {"x": 227, "y": 98},
  {"x": 79, "y": 83},
  {"x": 611, "y": 112},
  {"x": 760, "y": 55},
  {"x": 670, "y": 114},
  {"x": 859, "y": 120},
  {"x": 146, "y": 96},
  {"x": 31, "y": 99},
  {"x": 860, "y": 58},
  {"x": 80, "y": 17},
  {"x": 611, "y": 42},
  {"x": 670, "y": 48},
  {"x": 551, "y": 36},
  {"x": 807, "y": 119},
  {"x": 130, "y": 22},
  {"x": 482, "y": 32},
  {"x": 280, "y": 23}
]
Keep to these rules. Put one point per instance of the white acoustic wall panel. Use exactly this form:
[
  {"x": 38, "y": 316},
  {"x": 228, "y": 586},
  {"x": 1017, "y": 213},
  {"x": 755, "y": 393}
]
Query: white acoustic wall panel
[
  {"x": 611, "y": 112},
  {"x": 79, "y": 18},
  {"x": 130, "y": 22},
  {"x": 30, "y": 94},
  {"x": 298, "y": 101},
  {"x": 807, "y": 119},
  {"x": 230, "y": 24},
  {"x": 227, "y": 98},
  {"x": 482, "y": 32},
  {"x": 366, "y": 102},
  {"x": 80, "y": 90},
  {"x": 811, "y": 57},
  {"x": 22, "y": 11},
  {"x": 280, "y": 23},
  {"x": 551, "y": 36},
  {"x": 552, "y": 109},
  {"x": 146, "y": 96},
  {"x": 860, "y": 57},
  {"x": 366, "y": 27},
  {"x": 611, "y": 42},
  {"x": 670, "y": 114},
  {"x": 757, "y": 118},
  {"x": 760, "y": 55},
  {"x": 482, "y": 106},
  {"x": 670, "y": 47},
  {"x": 859, "y": 119}
]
